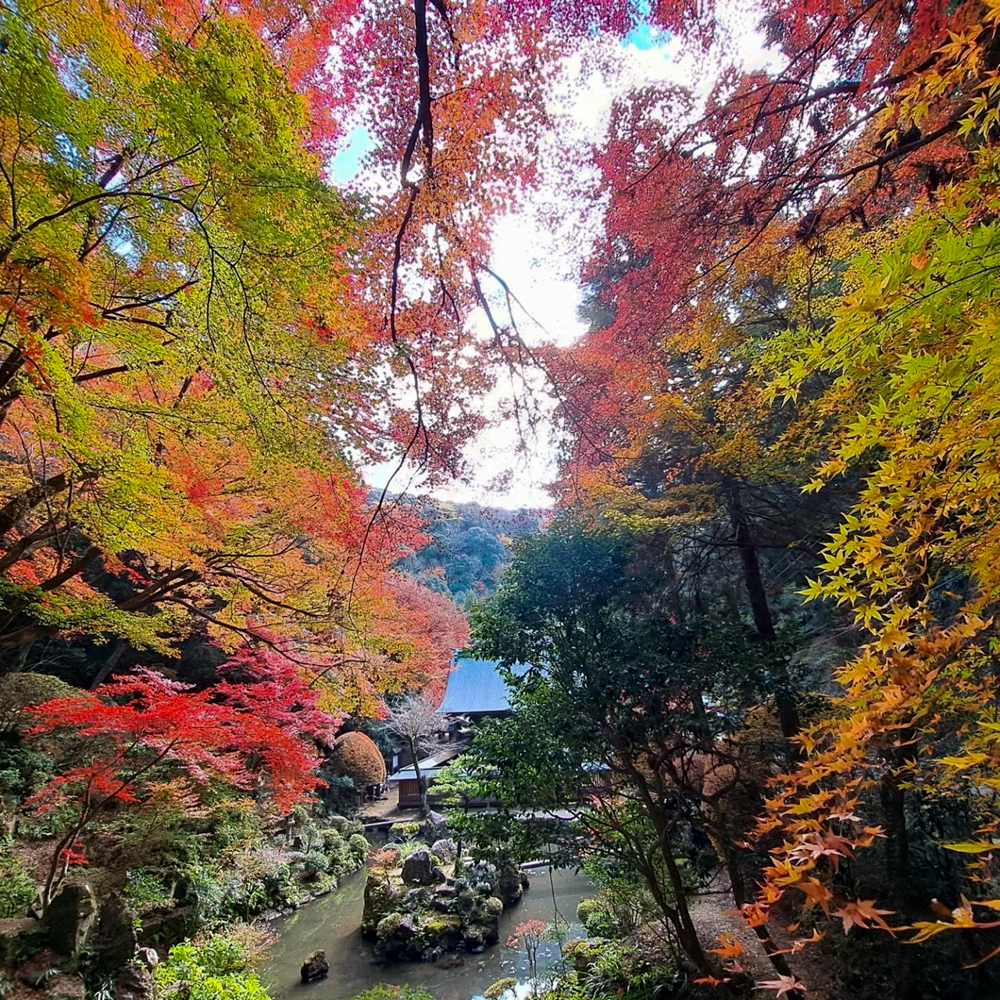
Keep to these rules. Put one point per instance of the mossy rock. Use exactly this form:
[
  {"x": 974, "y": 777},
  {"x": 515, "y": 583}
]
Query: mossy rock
[
  {"x": 381, "y": 898},
  {"x": 496, "y": 990},
  {"x": 440, "y": 923},
  {"x": 389, "y": 926},
  {"x": 441, "y": 930}
]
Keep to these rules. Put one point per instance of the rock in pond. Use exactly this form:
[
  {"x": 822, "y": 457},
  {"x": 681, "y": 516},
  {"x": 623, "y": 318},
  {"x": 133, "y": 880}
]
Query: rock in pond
[
  {"x": 445, "y": 849},
  {"x": 315, "y": 967}
]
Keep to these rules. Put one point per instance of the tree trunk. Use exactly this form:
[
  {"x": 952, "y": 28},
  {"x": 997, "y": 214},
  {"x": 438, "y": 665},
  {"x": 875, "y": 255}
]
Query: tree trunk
[
  {"x": 788, "y": 713},
  {"x": 768, "y": 943},
  {"x": 109, "y": 665},
  {"x": 421, "y": 783}
]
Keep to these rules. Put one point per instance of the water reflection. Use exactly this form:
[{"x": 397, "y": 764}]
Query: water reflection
[{"x": 332, "y": 923}]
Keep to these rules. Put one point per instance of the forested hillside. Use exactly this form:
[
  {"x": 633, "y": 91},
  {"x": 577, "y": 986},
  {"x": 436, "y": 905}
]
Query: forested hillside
[{"x": 468, "y": 548}]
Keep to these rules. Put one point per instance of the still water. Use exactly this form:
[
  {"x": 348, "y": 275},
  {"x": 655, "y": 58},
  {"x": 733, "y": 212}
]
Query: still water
[{"x": 332, "y": 923}]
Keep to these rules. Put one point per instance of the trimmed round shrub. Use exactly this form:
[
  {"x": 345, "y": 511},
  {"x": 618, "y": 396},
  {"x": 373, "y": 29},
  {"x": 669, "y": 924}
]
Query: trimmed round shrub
[
  {"x": 18, "y": 692},
  {"x": 339, "y": 824},
  {"x": 314, "y": 862},
  {"x": 405, "y": 830},
  {"x": 496, "y": 990},
  {"x": 388, "y": 926},
  {"x": 358, "y": 845},
  {"x": 356, "y": 757}
]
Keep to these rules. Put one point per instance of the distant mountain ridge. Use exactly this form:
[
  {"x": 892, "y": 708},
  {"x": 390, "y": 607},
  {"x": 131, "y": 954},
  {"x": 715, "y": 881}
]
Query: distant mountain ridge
[{"x": 470, "y": 545}]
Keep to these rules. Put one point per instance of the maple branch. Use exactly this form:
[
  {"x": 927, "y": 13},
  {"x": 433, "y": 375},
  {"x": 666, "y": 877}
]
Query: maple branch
[
  {"x": 15, "y": 508},
  {"x": 75, "y": 567}
]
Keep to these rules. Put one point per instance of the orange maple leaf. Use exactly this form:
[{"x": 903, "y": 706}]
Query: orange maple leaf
[
  {"x": 816, "y": 894},
  {"x": 783, "y": 984},
  {"x": 862, "y": 913},
  {"x": 729, "y": 947}
]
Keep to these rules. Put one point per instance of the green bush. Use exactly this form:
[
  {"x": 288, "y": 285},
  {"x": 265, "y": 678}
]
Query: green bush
[
  {"x": 405, "y": 831},
  {"x": 407, "y": 847},
  {"x": 342, "y": 858},
  {"x": 17, "y": 887},
  {"x": 331, "y": 837},
  {"x": 383, "y": 991},
  {"x": 214, "y": 969},
  {"x": 313, "y": 862},
  {"x": 496, "y": 990},
  {"x": 144, "y": 890},
  {"x": 358, "y": 845},
  {"x": 339, "y": 823}
]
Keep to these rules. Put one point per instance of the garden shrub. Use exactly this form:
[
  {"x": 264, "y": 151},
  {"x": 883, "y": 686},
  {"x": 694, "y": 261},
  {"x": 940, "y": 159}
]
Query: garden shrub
[
  {"x": 19, "y": 691},
  {"x": 312, "y": 862},
  {"x": 405, "y": 831},
  {"x": 17, "y": 887},
  {"x": 144, "y": 890},
  {"x": 217, "y": 968},
  {"x": 407, "y": 847},
  {"x": 359, "y": 845},
  {"x": 496, "y": 990},
  {"x": 339, "y": 823},
  {"x": 383, "y": 991}
]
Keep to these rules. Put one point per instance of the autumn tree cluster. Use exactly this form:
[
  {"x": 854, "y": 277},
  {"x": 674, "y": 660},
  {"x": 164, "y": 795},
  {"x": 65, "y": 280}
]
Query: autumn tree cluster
[
  {"x": 790, "y": 384},
  {"x": 783, "y": 416},
  {"x": 788, "y": 393}
]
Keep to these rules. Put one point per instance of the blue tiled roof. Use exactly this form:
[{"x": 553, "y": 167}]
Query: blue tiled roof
[{"x": 477, "y": 686}]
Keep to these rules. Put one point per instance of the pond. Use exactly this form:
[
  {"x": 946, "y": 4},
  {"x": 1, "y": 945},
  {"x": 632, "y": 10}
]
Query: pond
[{"x": 332, "y": 923}]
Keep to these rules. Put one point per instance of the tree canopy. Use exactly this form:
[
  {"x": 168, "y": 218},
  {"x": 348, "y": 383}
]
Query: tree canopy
[{"x": 777, "y": 440}]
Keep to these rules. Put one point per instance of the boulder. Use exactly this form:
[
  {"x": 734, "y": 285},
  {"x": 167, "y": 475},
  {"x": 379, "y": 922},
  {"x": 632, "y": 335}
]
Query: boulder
[
  {"x": 381, "y": 899},
  {"x": 69, "y": 918},
  {"x": 64, "y": 987},
  {"x": 441, "y": 931},
  {"x": 417, "y": 898},
  {"x": 445, "y": 849},
  {"x": 434, "y": 825},
  {"x": 438, "y": 874},
  {"x": 418, "y": 868},
  {"x": 473, "y": 939},
  {"x": 134, "y": 982},
  {"x": 114, "y": 939},
  {"x": 509, "y": 887},
  {"x": 397, "y": 937},
  {"x": 20, "y": 938},
  {"x": 491, "y": 930},
  {"x": 315, "y": 967}
]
